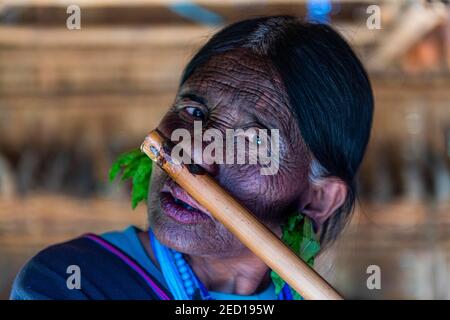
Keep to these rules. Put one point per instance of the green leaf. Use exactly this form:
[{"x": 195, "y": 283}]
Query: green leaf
[
  {"x": 309, "y": 246},
  {"x": 308, "y": 229},
  {"x": 114, "y": 171},
  {"x": 277, "y": 281},
  {"x": 122, "y": 161},
  {"x": 141, "y": 181},
  {"x": 309, "y": 249},
  {"x": 130, "y": 170},
  {"x": 298, "y": 234},
  {"x": 137, "y": 167}
]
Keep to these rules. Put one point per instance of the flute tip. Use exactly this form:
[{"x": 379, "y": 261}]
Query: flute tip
[{"x": 151, "y": 145}]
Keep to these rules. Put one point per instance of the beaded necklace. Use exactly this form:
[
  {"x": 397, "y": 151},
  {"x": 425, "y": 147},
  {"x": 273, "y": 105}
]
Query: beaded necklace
[{"x": 181, "y": 280}]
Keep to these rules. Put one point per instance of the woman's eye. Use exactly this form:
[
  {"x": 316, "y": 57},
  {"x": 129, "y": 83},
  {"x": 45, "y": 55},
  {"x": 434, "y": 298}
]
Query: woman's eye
[
  {"x": 195, "y": 112},
  {"x": 260, "y": 141},
  {"x": 257, "y": 140}
]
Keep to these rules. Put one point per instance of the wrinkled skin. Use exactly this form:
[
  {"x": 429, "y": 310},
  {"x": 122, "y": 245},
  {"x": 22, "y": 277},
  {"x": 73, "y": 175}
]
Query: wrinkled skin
[{"x": 241, "y": 90}]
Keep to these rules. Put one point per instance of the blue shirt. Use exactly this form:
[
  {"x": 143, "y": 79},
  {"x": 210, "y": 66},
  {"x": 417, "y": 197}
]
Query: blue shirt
[{"x": 103, "y": 276}]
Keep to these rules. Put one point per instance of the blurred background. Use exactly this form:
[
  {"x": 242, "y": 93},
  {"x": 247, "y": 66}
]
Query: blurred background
[{"x": 72, "y": 100}]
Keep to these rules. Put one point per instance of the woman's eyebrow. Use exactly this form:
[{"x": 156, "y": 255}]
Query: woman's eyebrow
[
  {"x": 253, "y": 124},
  {"x": 193, "y": 97},
  {"x": 262, "y": 122}
]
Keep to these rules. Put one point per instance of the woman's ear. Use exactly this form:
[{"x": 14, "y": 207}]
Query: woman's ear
[{"x": 325, "y": 197}]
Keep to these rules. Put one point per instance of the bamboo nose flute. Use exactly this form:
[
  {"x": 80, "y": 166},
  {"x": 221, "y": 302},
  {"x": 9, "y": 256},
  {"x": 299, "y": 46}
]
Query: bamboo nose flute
[{"x": 241, "y": 222}]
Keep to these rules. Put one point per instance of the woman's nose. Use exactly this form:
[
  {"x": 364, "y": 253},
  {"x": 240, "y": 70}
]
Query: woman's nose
[
  {"x": 194, "y": 146},
  {"x": 204, "y": 159}
]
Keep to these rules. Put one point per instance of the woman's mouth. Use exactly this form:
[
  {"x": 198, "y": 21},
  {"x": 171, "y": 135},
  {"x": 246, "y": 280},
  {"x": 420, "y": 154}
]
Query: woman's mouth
[{"x": 178, "y": 205}]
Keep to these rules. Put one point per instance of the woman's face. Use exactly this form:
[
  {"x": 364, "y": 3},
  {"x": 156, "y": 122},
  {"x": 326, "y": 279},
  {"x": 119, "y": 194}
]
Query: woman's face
[{"x": 230, "y": 91}]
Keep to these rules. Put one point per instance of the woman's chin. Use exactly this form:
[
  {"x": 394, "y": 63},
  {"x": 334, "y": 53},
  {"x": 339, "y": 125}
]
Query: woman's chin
[{"x": 182, "y": 237}]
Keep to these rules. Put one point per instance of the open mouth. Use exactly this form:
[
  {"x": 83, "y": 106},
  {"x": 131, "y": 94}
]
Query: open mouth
[{"x": 177, "y": 204}]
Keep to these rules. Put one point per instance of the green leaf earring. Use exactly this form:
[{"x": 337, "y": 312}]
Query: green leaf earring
[{"x": 298, "y": 233}]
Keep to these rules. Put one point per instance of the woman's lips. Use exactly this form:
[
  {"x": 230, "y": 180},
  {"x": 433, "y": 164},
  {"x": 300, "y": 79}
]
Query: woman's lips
[{"x": 177, "y": 204}]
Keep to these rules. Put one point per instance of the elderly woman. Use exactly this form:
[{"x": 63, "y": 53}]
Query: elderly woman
[{"x": 266, "y": 73}]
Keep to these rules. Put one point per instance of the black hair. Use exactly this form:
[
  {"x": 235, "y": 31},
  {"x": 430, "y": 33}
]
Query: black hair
[{"x": 328, "y": 89}]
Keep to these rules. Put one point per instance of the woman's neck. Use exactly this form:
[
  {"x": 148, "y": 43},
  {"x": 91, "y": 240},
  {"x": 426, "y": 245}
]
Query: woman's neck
[{"x": 243, "y": 275}]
